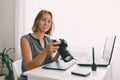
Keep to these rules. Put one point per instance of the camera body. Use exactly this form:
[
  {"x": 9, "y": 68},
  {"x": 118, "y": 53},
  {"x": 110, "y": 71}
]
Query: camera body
[{"x": 65, "y": 54}]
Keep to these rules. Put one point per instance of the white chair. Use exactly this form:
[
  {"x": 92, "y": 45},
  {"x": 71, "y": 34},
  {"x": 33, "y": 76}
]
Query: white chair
[{"x": 17, "y": 71}]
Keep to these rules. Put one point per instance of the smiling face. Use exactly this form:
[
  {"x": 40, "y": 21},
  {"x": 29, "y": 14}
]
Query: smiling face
[{"x": 44, "y": 23}]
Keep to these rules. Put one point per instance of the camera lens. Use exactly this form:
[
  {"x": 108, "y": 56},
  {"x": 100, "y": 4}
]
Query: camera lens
[{"x": 68, "y": 58}]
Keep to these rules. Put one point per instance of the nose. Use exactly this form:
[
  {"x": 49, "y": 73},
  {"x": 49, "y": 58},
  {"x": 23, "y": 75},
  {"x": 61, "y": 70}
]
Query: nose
[{"x": 46, "y": 22}]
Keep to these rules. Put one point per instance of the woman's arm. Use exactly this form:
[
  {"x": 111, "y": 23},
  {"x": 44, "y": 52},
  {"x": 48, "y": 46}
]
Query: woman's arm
[
  {"x": 55, "y": 56},
  {"x": 27, "y": 55}
]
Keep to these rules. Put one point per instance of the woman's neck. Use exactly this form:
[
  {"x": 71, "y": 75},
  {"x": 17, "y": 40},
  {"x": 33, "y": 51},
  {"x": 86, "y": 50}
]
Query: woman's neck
[{"x": 39, "y": 35}]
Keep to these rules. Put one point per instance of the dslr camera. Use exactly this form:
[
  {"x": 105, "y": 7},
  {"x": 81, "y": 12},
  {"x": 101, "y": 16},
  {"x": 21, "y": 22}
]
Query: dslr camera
[{"x": 65, "y": 54}]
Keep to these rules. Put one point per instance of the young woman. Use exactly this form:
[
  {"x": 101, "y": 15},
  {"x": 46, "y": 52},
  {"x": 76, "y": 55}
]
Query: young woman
[{"x": 37, "y": 48}]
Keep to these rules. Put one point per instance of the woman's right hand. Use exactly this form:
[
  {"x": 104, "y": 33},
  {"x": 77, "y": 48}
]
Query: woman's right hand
[{"x": 52, "y": 47}]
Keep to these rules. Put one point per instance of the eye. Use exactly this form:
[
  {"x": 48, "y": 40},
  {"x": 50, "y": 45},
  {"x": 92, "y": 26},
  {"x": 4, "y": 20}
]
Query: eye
[
  {"x": 49, "y": 21},
  {"x": 43, "y": 19}
]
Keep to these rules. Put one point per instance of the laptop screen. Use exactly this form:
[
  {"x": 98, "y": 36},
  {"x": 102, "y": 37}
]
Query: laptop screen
[{"x": 108, "y": 48}]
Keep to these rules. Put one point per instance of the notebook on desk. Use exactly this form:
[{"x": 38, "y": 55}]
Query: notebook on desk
[
  {"x": 106, "y": 56},
  {"x": 59, "y": 65}
]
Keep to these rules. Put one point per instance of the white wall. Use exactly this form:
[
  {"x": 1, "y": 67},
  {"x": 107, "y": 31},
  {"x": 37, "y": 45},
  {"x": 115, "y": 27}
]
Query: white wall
[
  {"x": 19, "y": 25},
  {"x": 0, "y": 33},
  {"x": 7, "y": 24},
  {"x": 116, "y": 56},
  {"x": 0, "y": 25}
]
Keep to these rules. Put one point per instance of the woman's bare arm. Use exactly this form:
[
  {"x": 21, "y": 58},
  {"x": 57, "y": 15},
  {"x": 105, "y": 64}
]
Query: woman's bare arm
[{"x": 27, "y": 55}]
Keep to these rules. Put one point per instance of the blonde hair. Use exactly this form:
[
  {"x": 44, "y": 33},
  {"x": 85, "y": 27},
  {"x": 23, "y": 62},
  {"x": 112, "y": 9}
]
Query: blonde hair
[{"x": 39, "y": 16}]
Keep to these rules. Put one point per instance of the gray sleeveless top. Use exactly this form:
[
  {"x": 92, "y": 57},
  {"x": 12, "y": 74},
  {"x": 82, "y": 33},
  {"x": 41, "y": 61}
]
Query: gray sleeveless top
[{"x": 36, "y": 48}]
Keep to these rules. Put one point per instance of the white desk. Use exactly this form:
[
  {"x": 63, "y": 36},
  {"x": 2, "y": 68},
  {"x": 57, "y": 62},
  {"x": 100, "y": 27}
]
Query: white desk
[{"x": 46, "y": 74}]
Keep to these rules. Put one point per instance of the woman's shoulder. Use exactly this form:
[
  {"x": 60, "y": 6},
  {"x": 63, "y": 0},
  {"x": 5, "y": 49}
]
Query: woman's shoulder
[
  {"x": 47, "y": 37},
  {"x": 26, "y": 36}
]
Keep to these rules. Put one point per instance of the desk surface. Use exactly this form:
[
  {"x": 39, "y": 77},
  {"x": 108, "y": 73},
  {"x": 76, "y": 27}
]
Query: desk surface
[{"x": 47, "y": 74}]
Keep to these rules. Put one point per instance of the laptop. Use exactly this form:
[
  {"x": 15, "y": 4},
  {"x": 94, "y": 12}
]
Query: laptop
[
  {"x": 59, "y": 65},
  {"x": 105, "y": 59}
]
